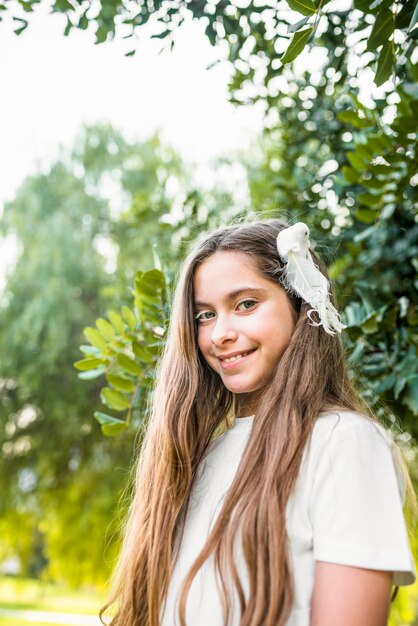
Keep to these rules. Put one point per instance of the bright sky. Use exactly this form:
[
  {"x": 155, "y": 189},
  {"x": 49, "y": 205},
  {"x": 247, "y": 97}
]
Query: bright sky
[{"x": 51, "y": 84}]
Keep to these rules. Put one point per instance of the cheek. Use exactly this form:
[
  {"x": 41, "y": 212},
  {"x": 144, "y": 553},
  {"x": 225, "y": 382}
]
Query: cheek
[
  {"x": 205, "y": 347},
  {"x": 203, "y": 341},
  {"x": 283, "y": 338},
  {"x": 276, "y": 337}
]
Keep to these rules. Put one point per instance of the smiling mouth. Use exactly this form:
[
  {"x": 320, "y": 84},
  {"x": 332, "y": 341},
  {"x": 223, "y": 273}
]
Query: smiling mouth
[{"x": 236, "y": 357}]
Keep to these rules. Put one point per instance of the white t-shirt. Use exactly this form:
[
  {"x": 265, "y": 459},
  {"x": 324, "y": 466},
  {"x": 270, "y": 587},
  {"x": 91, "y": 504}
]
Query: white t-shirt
[{"x": 346, "y": 508}]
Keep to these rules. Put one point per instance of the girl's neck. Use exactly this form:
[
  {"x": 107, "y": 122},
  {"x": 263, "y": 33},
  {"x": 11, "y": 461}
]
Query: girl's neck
[{"x": 247, "y": 403}]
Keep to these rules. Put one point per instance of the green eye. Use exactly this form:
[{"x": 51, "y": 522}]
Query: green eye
[
  {"x": 201, "y": 316},
  {"x": 246, "y": 304}
]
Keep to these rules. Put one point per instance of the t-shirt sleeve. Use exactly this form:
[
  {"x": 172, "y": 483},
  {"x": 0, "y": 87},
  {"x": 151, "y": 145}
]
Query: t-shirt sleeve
[{"x": 356, "y": 501}]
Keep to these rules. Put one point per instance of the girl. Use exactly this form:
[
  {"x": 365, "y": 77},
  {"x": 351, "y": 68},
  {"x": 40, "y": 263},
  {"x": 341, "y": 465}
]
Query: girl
[{"x": 265, "y": 495}]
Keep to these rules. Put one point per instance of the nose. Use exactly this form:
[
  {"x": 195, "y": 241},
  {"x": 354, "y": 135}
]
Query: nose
[{"x": 223, "y": 331}]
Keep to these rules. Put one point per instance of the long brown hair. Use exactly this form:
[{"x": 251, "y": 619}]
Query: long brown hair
[{"x": 189, "y": 403}]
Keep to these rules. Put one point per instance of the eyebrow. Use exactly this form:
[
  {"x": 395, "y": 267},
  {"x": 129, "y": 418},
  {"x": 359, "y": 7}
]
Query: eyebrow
[{"x": 233, "y": 294}]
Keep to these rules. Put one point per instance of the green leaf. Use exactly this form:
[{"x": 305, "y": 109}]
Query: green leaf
[
  {"x": 95, "y": 338},
  {"x": 374, "y": 184},
  {"x": 111, "y": 426},
  {"x": 385, "y": 64},
  {"x": 349, "y": 174},
  {"x": 120, "y": 383},
  {"x": 90, "y": 374},
  {"x": 410, "y": 397},
  {"x": 404, "y": 16},
  {"x": 210, "y": 33},
  {"x": 142, "y": 353},
  {"x": 148, "y": 297},
  {"x": 366, "y": 215},
  {"x": 382, "y": 29},
  {"x": 379, "y": 169},
  {"x": 101, "y": 34},
  {"x": 129, "y": 317},
  {"x": 152, "y": 347},
  {"x": 382, "y": 141},
  {"x": 413, "y": 26},
  {"x": 408, "y": 364},
  {"x": 369, "y": 300},
  {"x": 354, "y": 314},
  {"x": 26, "y": 6},
  {"x": 90, "y": 350},
  {"x": 362, "y": 5},
  {"x": 296, "y": 46},
  {"x": 412, "y": 315},
  {"x": 62, "y": 6},
  {"x": 339, "y": 266},
  {"x": 116, "y": 321},
  {"x": 356, "y": 161},
  {"x": 68, "y": 27},
  {"x": 149, "y": 282},
  {"x": 388, "y": 211},
  {"x": 105, "y": 329},
  {"x": 292, "y": 28},
  {"x": 365, "y": 152},
  {"x": 386, "y": 383},
  {"x": 162, "y": 35},
  {"x": 399, "y": 386},
  {"x": 370, "y": 325},
  {"x": 24, "y": 23},
  {"x": 352, "y": 117},
  {"x": 104, "y": 418},
  {"x": 369, "y": 200},
  {"x": 88, "y": 364},
  {"x": 114, "y": 399},
  {"x": 368, "y": 232},
  {"x": 113, "y": 430},
  {"x": 83, "y": 22},
  {"x": 356, "y": 356},
  {"x": 128, "y": 365},
  {"x": 306, "y": 7}
]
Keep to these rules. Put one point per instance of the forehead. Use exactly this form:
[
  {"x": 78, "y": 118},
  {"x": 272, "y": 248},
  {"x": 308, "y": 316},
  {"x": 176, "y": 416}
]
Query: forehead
[{"x": 226, "y": 271}]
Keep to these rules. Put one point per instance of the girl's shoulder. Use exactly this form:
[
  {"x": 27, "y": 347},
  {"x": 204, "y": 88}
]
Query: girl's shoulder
[
  {"x": 345, "y": 437},
  {"x": 351, "y": 492},
  {"x": 339, "y": 423}
]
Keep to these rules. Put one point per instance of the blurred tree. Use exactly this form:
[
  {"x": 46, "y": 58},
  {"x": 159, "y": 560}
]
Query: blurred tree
[
  {"x": 58, "y": 475},
  {"x": 155, "y": 203},
  {"x": 54, "y": 287}
]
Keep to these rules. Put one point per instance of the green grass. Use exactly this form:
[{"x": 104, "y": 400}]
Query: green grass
[{"x": 28, "y": 594}]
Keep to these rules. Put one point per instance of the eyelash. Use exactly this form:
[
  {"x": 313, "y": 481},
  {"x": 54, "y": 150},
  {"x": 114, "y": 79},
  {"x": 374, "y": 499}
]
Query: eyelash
[{"x": 199, "y": 317}]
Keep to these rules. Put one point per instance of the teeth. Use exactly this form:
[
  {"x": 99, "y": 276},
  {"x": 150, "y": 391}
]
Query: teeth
[{"x": 234, "y": 358}]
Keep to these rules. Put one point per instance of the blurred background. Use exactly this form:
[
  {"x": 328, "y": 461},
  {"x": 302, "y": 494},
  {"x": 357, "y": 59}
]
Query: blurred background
[{"x": 126, "y": 130}]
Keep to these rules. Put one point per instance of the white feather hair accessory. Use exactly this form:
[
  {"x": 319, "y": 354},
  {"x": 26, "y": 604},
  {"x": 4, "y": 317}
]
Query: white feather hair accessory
[{"x": 302, "y": 277}]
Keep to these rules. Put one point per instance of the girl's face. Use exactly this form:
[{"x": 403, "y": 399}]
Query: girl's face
[{"x": 244, "y": 321}]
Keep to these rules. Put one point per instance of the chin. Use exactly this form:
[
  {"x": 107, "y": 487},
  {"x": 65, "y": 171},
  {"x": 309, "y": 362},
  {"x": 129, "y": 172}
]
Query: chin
[{"x": 242, "y": 388}]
